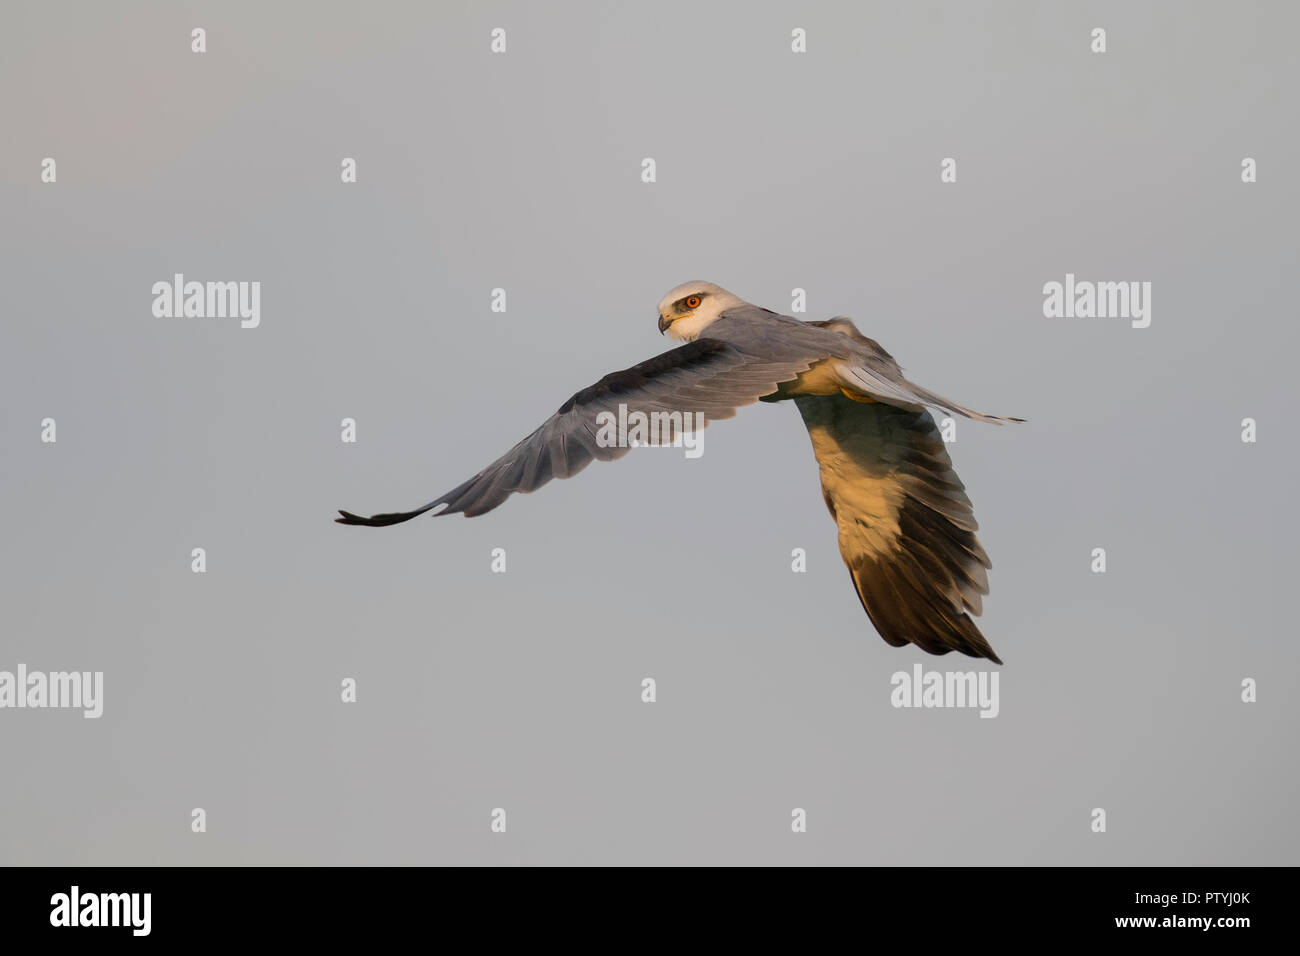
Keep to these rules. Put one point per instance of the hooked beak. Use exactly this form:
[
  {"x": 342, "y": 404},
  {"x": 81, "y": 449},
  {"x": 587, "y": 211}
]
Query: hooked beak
[{"x": 664, "y": 322}]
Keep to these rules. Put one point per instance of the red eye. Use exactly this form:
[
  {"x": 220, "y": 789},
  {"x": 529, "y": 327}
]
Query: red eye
[{"x": 693, "y": 302}]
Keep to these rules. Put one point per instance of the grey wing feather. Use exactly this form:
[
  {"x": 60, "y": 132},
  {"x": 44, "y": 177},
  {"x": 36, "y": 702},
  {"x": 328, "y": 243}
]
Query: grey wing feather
[
  {"x": 708, "y": 376},
  {"x": 860, "y": 364},
  {"x": 872, "y": 370}
]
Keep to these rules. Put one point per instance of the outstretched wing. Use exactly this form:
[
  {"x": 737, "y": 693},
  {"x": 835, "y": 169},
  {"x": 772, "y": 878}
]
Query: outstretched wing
[
  {"x": 872, "y": 371},
  {"x": 906, "y": 527},
  {"x": 843, "y": 359},
  {"x": 708, "y": 376}
]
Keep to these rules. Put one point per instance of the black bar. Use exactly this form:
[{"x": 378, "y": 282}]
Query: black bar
[{"x": 366, "y": 904}]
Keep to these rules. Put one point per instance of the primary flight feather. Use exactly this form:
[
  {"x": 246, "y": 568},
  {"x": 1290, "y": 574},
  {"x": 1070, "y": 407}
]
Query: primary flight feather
[{"x": 906, "y": 527}]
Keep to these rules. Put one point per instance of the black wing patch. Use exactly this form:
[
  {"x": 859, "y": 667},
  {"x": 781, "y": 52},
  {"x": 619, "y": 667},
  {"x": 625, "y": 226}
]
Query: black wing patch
[{"x": 692, "y": 355}]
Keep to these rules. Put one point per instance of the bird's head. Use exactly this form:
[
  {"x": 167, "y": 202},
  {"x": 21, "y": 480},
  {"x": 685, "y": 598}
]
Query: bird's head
[{"x": 690, "y": 308}]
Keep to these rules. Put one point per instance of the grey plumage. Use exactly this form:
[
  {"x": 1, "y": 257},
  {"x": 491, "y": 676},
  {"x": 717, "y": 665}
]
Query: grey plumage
[{"x": 906, "y": 527}]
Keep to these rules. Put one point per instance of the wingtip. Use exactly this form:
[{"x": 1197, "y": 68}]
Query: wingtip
[
  {"x": 980, "y": 651},
  {"x": 980, "y": 648},
  {"x": 380, "y": 521}
]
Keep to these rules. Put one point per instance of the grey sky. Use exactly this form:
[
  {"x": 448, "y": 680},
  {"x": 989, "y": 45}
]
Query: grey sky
[{"x": 775, "y": 171}]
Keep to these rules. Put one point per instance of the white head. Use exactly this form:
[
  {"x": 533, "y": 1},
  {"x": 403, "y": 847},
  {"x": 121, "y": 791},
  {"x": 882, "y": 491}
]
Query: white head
[{"x": 692, "y": 307}]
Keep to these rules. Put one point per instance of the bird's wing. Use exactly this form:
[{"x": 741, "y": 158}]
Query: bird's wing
[
  {"x": 888, "y": 385},
  {"x": 708, "y": 376},
  {"x": 872, "y": 371},
  {"x": 857, "y": 363},
  {"x": 906, "y": 527}
]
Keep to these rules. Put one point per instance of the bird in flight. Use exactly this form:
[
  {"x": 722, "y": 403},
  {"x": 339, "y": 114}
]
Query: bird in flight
[{"x": 906, "y": 527}]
